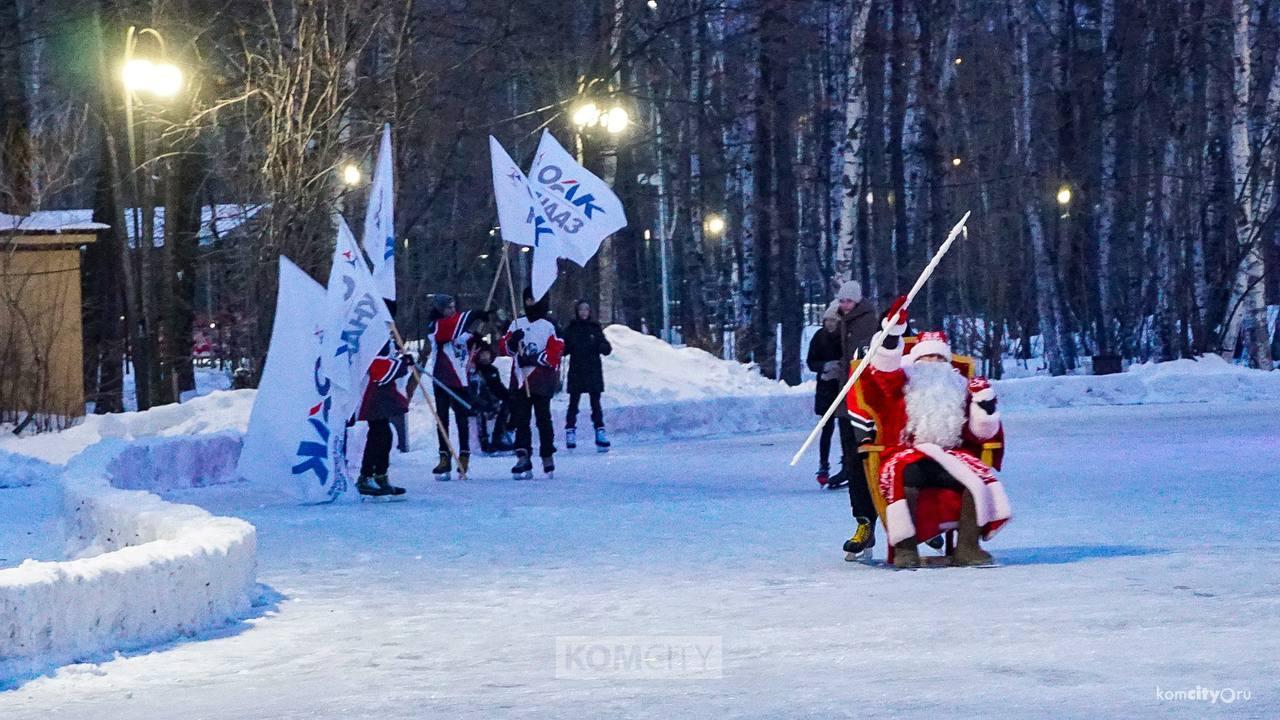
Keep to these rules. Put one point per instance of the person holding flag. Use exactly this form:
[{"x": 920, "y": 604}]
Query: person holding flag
[
  {"x": 449, "y": 340},
  {"x": 382, "y": 400},
  {"x": 535, "y": 374}
]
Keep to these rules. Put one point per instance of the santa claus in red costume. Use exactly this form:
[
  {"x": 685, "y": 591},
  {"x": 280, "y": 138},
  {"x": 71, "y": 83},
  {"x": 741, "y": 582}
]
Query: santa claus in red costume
[{"x": 933, "y": 423}]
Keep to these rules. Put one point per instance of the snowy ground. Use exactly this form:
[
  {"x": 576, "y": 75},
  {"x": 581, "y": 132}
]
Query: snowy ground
[{"x": 1139, "y": 560}]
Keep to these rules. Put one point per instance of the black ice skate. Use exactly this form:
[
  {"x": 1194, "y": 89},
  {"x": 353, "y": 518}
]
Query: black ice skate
[
  {"x": 571, "y": 438},
  {"x": 523, "y": 469},
  {"x": 442, "y": 470},
  {"x": 858, "y": 547},
  {"x": 602, "y": 441},
  {"x": 549, "y": 467}
]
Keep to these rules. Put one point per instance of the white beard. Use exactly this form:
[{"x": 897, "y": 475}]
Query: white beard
[{"x": 935, "y": 394}]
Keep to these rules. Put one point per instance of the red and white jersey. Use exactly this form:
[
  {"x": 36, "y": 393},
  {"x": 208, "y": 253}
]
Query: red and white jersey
[
  {"x": 539, "y": 343},
  {"x": 450, "y": 350}
]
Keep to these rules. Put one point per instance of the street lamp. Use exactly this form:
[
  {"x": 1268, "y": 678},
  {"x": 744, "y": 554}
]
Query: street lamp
[
  {"x": 714, "y": 224},
  {"x": 351, "y": 174},
  {"x": 614, "y": 119},
  {"x": 1064, "y": 195},
  {"x": 160, "y": 79}
]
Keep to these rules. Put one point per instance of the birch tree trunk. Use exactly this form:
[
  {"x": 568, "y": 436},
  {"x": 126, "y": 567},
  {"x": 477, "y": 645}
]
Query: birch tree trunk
[
  {"x": 1251, "y": 184},
  {"x": 1048, "y": 314},
  {"x": 855, "y": 118},
  {"x": 1111, "y": 56},
  {"x": 693, "y": 316}
]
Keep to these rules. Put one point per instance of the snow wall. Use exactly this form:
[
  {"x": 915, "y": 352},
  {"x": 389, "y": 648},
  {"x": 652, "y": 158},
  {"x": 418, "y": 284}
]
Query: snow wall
[{"x": 144, "y": 570}]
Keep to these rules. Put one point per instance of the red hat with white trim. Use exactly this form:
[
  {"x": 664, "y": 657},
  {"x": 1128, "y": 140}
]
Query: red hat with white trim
[{"x": 933, "y": 342}]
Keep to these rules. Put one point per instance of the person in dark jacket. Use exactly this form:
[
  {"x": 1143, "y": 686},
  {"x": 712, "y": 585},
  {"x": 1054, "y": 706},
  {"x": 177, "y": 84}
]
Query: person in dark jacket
[
  {"x": 584, "y": 345},
  {"x": 859, "y": 321},
  {"x": 489, "y": 396},
  {"x": 824, "y": 358},
  {"x": 382, "y": 400}
]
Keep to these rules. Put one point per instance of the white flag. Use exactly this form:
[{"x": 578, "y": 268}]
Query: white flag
[
  {"x": 580, "y": 207},
  {"x": 512, "y": 195},
  {"x": 379, "y": 220},
  {"x": 295, "y": 434},
  {"x": 356, "y": 321},
  {"x": 522, "y": 220}
]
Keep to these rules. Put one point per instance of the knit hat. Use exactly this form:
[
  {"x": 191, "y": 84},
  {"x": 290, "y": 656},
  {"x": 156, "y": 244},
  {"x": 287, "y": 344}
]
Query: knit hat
[
  {"x": 440, "y": 302},
  {"x": 931, "y": 343},
  {"x": 850, "y": 290}
]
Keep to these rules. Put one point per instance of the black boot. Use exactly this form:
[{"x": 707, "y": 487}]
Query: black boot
[{"x": 549, "y": 466}]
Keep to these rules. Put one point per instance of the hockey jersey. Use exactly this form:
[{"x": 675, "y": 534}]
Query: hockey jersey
[{"x": 537, "y": 356}]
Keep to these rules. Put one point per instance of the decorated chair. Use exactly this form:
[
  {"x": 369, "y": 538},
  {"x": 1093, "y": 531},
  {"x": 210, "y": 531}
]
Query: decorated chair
[{"x": 937, "y": 507}]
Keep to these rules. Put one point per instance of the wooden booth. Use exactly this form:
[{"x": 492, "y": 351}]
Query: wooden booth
[{"x": 41, "y": 344}]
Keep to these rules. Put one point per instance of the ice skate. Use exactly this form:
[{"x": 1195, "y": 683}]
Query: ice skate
[
  {"x": 858, "y": 548},
  {"x": 549, "y": 467},
  {"x": 570, "y": 438},
  {"x": 443, "y": 470},
  {"x": 602, "y": 441},
  {"x": 523, "y": 469}
]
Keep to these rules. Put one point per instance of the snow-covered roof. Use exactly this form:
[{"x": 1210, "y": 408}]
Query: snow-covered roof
[
  {"x": 215, "y": 220},
  {"x": 51, "y": 221}
]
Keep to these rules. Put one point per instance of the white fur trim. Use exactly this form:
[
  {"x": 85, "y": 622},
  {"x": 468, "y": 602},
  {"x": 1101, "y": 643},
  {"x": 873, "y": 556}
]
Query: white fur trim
[
  {"x": 897, "y": 522},
  {"x": 984, "y": 394},
  {"x": 931, "y": 347},
  {"x": 999, "y": 501},
  {"x": 961, "y": 472},
  {"x": 886, "y": 360},
  {"x": 982, "y": 425}
]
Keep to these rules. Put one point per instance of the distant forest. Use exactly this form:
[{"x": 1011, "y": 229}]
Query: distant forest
[{"x": 1119, "y": 158}]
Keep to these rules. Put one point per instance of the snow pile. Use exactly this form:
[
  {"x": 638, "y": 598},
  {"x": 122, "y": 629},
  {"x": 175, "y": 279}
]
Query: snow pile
[
  {"x": 224, "y": 410},
  {"x": 147, "y": 570},
  {"x": 1206, "y": 379},
  {"x": 176, "y": 463},
  {"x": 643, "y": 370},
  {"x": 18, "y": 471}
]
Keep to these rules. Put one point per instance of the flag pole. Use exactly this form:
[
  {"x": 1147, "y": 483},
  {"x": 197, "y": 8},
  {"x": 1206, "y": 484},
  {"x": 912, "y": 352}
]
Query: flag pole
[
  {"x": 878, "y": 339},
  {"x": 493, "y": 289},
  {"x": 413, "y": 367},
  {"x": 515, "y": 313}
]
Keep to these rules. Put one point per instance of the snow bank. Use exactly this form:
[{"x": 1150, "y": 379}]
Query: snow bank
[
  {"x": 146, "y": 571},
  {"x": 223, "y": 410},
  {"x": 19, "y": 471},
  {"x": 643, "y": 369},
  {"x": 1206, "y": 379}
]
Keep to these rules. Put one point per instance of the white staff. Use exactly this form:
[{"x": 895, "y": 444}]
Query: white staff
[{"x": 878, "y": 340}]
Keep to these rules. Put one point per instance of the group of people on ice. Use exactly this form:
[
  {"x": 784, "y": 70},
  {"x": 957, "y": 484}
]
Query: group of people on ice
[
  {"x": 459, "y": 363},
  {"x": 931, "y": 421}
]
